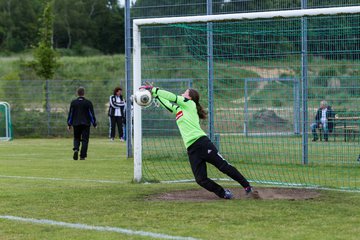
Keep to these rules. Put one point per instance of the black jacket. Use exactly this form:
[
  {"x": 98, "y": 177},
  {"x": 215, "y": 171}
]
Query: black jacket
[
  {"x": 329, "y": 114},
  {"x": 116, "y": 105},
  {"x": 81, "y": 113}
]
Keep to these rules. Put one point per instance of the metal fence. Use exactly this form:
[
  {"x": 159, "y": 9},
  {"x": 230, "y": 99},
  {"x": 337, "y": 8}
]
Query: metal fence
[{"x": 32, "y": 118}]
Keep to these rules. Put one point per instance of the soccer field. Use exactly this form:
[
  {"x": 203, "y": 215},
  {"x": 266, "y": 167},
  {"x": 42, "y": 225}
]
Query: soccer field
[{"x": 44, "y": 194}]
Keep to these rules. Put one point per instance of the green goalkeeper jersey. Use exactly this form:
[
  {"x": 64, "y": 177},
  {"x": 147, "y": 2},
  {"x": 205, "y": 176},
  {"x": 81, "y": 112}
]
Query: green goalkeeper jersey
[{"x": 187, "y": 118}]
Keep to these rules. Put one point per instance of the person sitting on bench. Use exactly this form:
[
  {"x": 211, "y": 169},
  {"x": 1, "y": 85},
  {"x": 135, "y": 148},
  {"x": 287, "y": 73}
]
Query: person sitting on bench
[{"x": 322, "y": 121}]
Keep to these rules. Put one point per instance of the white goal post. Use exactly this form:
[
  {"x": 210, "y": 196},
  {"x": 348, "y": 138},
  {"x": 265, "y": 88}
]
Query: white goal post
[
  {"x": 138, "y": 23},
  {"x": 5, "y": 121}
]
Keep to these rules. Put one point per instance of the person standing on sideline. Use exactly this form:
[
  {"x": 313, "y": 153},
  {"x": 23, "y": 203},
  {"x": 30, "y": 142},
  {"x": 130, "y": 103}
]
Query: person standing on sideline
[
  {"x": 116, "y": 114},
  {"x": 81, "y": 116},
  {"x": 200, "y": 149}
]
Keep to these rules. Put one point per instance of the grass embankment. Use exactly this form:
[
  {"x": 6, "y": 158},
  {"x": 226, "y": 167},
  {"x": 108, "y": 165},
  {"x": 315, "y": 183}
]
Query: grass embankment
[{"x": 84, "y": 68}]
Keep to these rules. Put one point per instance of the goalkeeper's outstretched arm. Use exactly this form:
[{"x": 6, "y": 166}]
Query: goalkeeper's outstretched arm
[
  {"x": 179, "y": 100},
  {"x": 167, "y": 104}
]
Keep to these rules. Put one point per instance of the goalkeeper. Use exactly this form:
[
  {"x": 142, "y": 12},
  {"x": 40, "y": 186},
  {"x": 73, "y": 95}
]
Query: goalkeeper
[{"x": 200, "y": 149}]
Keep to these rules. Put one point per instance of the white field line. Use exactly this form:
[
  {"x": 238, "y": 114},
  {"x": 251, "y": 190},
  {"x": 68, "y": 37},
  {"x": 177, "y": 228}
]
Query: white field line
[
  {"x": 95, "y": 228},
  {"x": 63, "y": 179},
  {"x": 230, "y": 180}
]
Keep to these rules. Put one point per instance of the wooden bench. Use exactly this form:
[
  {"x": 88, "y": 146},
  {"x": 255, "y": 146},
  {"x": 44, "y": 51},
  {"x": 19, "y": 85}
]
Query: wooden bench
[{"x": 348, "y": 126}]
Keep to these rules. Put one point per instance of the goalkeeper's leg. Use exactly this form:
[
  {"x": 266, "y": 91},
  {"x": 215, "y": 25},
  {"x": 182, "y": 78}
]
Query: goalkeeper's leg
[
  {"x": 214, "y": 157},
  {"x": 198, "y": 167}
]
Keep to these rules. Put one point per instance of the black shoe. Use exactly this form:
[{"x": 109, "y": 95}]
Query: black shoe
[
  {"x": 358, "y": 158},
  {"x": 326, "y": 140},
  {"x": 82, "y": 158},
  {"x": 314, "y": 139},
  {"x": 76, "y": 155}
]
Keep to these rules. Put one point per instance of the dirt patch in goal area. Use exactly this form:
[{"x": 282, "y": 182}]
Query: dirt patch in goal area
[{"x": 200, "y": 195}]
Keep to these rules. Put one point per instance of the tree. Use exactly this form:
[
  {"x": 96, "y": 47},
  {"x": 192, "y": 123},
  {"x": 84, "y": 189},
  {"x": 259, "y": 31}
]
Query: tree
[
  {"x": 96, "y": 24},
  {"x": 110, "y": 29},
  {"x": 18, "y": 24},
  {"x": 166, "y": 8},
  {"x": 45, "y": 57}
]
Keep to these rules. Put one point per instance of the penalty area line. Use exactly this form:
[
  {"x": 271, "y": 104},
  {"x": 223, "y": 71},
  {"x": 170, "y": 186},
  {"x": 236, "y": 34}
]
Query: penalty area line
[{"x": 94, "y": 228}]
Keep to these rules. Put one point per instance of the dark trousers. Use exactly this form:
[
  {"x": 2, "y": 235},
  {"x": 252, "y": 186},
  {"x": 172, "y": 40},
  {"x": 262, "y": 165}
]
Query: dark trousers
[
  {"x": 325, "y": 128},
  {"x": 202, "y": 151},
  {"x": 116, "y": 121},
  {"x": 81, "y": 134}
]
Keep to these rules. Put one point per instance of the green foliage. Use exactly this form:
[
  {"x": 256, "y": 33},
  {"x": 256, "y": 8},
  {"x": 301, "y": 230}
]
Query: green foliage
[
  {"x": 75, "y": 22},
  {"x": 11, "y": 76},
  {"x": 81, "y": 50},
  {"x": 18, "y": 24},
  {"x": 97, "y": 24},
  {"x": 45, "y": 57}
]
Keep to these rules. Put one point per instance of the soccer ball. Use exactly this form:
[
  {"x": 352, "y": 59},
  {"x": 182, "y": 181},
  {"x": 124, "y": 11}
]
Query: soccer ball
[{"x": 143, "y": 98}]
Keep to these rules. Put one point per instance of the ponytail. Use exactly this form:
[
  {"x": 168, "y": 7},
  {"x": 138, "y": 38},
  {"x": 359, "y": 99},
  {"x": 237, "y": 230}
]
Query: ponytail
[
  {"x": 201, "y": 112},
  {"x": 196, "y": 98}
]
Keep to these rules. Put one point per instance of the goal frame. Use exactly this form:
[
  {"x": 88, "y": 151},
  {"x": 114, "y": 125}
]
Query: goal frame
[
  {"x": 138, "y": 23},
  {"x": 8, "y": 126}
]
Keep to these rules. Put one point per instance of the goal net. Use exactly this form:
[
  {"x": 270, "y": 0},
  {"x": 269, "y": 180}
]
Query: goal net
[{"x": 261, "y": 77}]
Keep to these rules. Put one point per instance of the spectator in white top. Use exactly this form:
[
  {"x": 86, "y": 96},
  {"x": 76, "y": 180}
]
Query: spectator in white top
[
  {"x": 116, "y": 113},
  {"x": 322, "y": 121}
]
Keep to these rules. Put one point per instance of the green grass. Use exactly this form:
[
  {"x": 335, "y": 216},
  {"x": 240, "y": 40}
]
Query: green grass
[
  {"x": 72, "y": 198},
  {"x": 80, "y": 68}
]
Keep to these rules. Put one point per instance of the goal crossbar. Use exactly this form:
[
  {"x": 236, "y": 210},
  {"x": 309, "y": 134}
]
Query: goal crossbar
[
  {"x": 245, "y": 16},
  {"x": 138, "y": 23}
]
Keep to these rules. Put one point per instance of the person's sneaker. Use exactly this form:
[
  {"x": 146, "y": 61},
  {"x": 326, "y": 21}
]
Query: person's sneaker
[
  {"x": 82, "y": 158},
  {"x": 251, "y": 193},
  {"x": 76, "y": 155},
  {"x": 314, "y": 139},
  {"x": 121, "y": 139},
  {"x": 228, "y": 194},
  {"x": 111, "y": 139},
  {"x": 358, "y": 159}
]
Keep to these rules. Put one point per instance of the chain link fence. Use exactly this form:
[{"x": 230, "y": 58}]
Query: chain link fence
[{"x": 40, "y": 111}]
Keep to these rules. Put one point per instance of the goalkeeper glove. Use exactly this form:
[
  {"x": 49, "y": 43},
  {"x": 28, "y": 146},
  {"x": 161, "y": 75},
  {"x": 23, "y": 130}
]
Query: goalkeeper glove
[{"x": 146, "y": 87}]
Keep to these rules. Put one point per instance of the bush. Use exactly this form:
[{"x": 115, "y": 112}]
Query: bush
[
  {"x": 66, "y": 52},
  {"x": 81, "y": 50}
]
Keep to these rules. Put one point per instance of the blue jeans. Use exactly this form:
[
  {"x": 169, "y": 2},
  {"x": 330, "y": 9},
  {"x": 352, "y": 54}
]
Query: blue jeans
[
  {"x": 314, "y": 126},
  {"x": 124, "y": 130}
]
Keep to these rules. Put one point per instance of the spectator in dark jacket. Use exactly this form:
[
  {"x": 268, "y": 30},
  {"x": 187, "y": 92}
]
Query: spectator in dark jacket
[
  {"x": 322, "y": 121},
  {"x": 116, "y": 113},
  {"x": 81, "y": 116}
]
